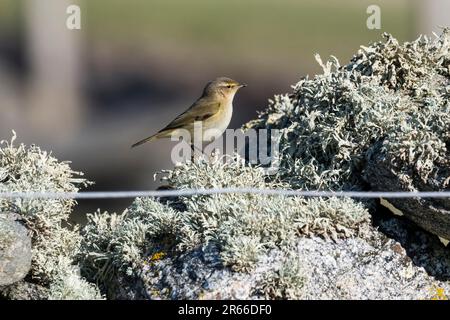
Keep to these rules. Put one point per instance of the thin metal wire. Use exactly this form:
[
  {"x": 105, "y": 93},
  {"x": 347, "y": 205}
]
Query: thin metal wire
[{"x": 192, "y": 192}]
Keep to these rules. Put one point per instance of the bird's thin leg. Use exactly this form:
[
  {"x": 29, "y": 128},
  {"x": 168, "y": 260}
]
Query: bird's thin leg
[{"x": 193, "y": 147}]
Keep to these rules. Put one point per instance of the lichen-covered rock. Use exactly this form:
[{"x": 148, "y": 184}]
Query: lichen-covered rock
[
  {"x": 388, "y": 105},
  {"x": 15, "y": 251},
  {"x": 431, "y": 214},
  {"x": 377, "y": 123},
  {"x": 380, "y": 122},
  {"x": 24, "y": 290},
  {"x": 53, "y": 246},
  {"x": 229, "y": 234},
  {"x": 410, "y": 265},
  {"x": 187, "y": 248},
  {"x": 264, "y": 247}
]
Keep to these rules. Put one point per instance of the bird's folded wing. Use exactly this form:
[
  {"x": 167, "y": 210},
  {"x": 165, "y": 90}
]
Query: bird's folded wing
[{"x": 199, "y": 111}]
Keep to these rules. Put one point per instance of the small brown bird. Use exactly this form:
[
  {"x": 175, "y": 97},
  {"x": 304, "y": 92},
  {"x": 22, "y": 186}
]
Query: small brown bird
[{"x": 214, "y": 109}]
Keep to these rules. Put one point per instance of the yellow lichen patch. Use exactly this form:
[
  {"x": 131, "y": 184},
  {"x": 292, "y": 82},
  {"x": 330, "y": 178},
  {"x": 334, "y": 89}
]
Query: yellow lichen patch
[
  {"x": 438, "y": 294},
  {"x": 157, "y": 256},
  {"x": 389, "y": 205},
  {"x": 153, "y": 258}
]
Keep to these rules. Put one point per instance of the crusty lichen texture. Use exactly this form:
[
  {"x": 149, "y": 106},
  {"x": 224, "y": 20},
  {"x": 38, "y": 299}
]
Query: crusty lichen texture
[
  {"x": 390, "y": 100},
  {"x": 285, "y": 282},
  {"x": 241, "y": 227},
  {"x": 387, "y": 111},
  {"x": 391, "y": 97},
  {"x": 53, "y": 246}
]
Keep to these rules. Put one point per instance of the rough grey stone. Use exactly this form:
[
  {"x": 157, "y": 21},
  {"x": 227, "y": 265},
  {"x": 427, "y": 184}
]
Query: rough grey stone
[
  {"x": 397, "y": 260},
  {"x": 431, "y": 214},
  {"x": 15, "y": 251},
  {"x": 23, "y": 290}
]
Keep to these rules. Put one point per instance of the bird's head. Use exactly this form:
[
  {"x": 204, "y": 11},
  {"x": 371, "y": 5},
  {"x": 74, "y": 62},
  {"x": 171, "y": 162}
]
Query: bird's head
[{"x": 224, "y": 87}]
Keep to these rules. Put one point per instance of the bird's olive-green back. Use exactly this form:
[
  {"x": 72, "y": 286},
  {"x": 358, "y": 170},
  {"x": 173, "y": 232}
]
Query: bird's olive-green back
[{"x": 201, "y": 110}]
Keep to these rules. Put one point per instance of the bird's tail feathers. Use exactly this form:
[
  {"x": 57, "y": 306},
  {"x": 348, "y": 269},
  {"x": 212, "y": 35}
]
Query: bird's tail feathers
[{"x": 151, "y": 138}]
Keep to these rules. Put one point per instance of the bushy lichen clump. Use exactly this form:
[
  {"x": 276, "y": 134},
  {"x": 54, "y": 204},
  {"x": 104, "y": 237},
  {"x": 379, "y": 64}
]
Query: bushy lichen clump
[
  {"x": 286, "y": 282},
  {"x": 242, "y": 227},
  {"x": 53, "y": 246},
  {"x": 114, "y": 248},
  {"x": 389, "y": 105},
  {"x": 391, "y": 98}
]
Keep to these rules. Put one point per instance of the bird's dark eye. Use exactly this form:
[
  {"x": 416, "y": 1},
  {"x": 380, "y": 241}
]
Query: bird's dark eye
[{"x": 229, "y": 86}]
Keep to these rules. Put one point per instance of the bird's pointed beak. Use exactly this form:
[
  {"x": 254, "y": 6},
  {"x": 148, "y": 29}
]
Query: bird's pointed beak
[{"x": 242, "y": 85}]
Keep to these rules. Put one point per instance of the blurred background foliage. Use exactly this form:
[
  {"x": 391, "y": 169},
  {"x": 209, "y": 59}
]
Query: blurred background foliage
[{"x": 89, "y": 94}]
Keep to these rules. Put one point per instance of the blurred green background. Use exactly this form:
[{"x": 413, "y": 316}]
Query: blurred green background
[{"x": 89, "y": 94}]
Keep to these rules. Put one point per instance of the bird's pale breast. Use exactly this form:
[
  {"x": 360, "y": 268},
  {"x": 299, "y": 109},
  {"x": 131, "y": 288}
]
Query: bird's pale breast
[{"x": 214, "y": 126}]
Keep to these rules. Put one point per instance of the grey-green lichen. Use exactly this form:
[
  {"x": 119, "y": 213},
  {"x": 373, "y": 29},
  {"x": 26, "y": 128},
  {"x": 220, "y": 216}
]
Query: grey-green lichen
[
  {"x": 113, "y": 247},
  {"x": 285, "y": 282},
  {"x": 24, "y": 169},
  {"x": 67, "y": 284},
  {"x": 241, "y": 227},
  {"x": 391, "y": 98},
  {"x": 391, "y": 102}
]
